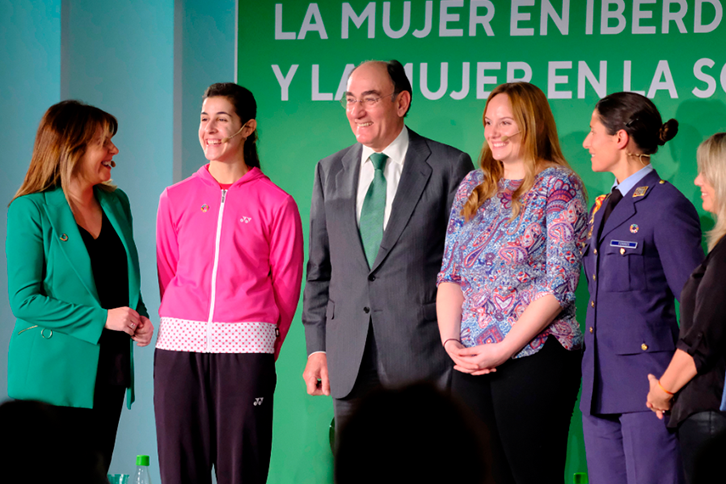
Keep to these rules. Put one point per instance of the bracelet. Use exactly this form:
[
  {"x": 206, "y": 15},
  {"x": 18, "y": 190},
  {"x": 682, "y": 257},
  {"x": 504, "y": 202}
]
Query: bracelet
[
  {"x": 452, "y": 339},
  {"x": 661, "y": 387}
]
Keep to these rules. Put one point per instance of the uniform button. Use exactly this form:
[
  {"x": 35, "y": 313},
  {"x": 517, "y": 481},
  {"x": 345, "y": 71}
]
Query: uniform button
[
  {"x": 644, "y": 347},
  {"x": 622, "y": 251},
  {"x": 594, "y": 277},
  {"x": 371, "y": 278},
  {"x": 591, "y": 330},
  {"x": 661, "y": 182},
  {"x": 366, "y": 310},
  {"x": 595, "y": 251},
  {"x": 592, "y": 303}
]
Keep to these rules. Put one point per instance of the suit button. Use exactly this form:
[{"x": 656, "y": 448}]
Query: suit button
[
  {"x": 595, "y": 251},
  {"x": 644, "y": 347},
  {"x": 366, "y": 310},
  {"x": 592, "y": 303},
  {"x": 371, "y": 278},
  {"x": 591, "y": 330},
  {"x": 594, "y": 277}
]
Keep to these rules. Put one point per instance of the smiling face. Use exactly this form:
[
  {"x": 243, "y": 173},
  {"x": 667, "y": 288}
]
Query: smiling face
[
  {"x": 217, "y": 122},
  {"x": 95, "y": 165},
  {"x": 376, "y": 125},
  {"x": 603, "y": 147},
  {"x": 502, "y": 132},
  {"x": 708, "y": 193}
]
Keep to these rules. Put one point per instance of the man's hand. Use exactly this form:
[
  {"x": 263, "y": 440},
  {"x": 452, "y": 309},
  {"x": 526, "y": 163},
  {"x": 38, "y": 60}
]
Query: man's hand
[{"x": 316, "y": 375}]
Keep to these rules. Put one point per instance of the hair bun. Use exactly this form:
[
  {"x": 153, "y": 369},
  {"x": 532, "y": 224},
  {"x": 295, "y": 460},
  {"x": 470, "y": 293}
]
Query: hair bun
[{"x": 668, "y": 131}]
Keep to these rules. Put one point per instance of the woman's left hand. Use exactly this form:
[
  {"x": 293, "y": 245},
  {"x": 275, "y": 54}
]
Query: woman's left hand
[
  {"x": 144, "y": 332},
  {"x": 481, "y": 359},
  {"x": 658, "y": 400}
]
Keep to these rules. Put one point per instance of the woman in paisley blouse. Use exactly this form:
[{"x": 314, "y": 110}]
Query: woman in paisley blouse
[{"x": 506, "y": 297}]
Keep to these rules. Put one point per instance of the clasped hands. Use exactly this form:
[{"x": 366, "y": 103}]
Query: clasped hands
[
  {"x": 132, "y": 323},
  {"x": 658, "y": 400},
  {"x": 477, "y": 360}
]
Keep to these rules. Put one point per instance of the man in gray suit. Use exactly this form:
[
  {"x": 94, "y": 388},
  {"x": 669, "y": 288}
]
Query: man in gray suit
[{"x": 377, "y": 225}]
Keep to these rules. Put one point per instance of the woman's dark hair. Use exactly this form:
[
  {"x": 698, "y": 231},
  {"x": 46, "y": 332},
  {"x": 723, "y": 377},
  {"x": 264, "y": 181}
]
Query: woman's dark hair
[
  {"x": 638, "y": 116},
  {"x": 246, "y": 108}
]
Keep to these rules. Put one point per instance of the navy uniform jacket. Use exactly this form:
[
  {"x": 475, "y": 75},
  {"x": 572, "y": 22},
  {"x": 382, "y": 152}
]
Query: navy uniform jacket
[{"x": 648, "y": 248}]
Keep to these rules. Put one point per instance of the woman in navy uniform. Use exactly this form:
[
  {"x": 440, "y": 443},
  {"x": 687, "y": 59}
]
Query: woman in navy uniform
[{"x": 644, "y": 240}]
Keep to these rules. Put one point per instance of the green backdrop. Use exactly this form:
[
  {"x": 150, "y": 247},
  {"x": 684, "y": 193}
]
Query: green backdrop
[{"x": 295, "y": 56}]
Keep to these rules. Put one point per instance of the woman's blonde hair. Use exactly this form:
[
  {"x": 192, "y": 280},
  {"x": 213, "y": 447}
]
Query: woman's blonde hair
[
  {"x": 538, "y": 133},
  {"x": 63, "y": 136},
  {"x": 711, "y": 157}
]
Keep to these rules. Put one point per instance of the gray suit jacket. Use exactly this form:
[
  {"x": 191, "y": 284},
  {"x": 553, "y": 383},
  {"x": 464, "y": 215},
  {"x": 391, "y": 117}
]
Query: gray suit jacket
[{"x": 398, "y": 293}]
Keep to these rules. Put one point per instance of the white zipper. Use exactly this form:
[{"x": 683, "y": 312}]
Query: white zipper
[{"x": 208, "y": 336}]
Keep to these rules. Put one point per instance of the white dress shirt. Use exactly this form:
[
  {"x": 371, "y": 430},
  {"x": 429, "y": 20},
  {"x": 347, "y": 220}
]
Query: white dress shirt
[{"x": 396, "y": 153}]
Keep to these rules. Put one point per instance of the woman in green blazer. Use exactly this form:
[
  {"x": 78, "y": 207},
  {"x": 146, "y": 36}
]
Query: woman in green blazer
[{"x": 73, "y": 279}]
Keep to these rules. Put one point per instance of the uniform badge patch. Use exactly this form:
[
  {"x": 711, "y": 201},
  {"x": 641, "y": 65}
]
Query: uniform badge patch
[
  {"x": 595, "y": 208},
  {"x": 640, "y": 191},
  {"x": 626, "y": 244}
]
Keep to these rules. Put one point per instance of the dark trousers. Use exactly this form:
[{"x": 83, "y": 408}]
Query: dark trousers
[
  {"x": 371, "y": 375},
  {"x": 527, "y": 407},
  {"x": 368, "y": 379},
  {"x": 694, "y": 433},
  {"x": 213, "y": 409},
  {"x": 94, "y": 429}
]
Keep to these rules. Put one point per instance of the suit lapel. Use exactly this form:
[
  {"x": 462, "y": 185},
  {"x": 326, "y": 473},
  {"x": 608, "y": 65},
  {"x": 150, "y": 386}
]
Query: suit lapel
[
  {"x": 414, "y": 177},
  {"x": 346, "y": 182},
  {"x": 115, "y": 213},
  {"x": 70, "y": 240},
  {"x": 626, "y": 208}
]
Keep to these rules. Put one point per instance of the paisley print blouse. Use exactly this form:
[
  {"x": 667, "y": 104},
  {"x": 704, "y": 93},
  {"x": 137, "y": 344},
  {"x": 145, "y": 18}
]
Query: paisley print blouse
[{"x": 502, "y": 265}]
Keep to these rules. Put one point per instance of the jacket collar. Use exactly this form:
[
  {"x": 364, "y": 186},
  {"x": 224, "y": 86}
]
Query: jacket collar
[
  {"x": 627, "y": 206},
  {"x": 71, "y": 242},
  {"x": 414, "y": 178},
  {"x": 252, "y": 175}
]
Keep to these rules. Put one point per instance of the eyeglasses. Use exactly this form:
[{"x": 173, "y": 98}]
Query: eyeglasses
[{"x": 349, "y": 102}]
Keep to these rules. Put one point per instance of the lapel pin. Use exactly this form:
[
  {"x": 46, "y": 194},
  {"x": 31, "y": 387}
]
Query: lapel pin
[
  {"x": 640, "y": 191},
  {"x": 634, "y": 229},
  {"x": 64, "y": 237},
  {"x": 205, "y": 207}
]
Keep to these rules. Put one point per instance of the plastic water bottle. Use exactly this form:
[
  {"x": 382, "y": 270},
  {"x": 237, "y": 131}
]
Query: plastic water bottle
[{"x": 142, "y": 470}]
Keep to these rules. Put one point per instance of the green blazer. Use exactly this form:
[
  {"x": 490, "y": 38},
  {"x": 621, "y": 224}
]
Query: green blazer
[{"x": 54, "y": 347}]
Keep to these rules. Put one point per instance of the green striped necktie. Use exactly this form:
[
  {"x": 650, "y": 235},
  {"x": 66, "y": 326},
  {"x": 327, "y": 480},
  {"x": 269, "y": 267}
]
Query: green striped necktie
[{"x": 373, "y": 210}]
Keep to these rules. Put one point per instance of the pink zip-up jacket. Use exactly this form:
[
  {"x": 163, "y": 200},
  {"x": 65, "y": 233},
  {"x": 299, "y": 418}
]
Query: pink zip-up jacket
[{"x": 230, "y": 265}]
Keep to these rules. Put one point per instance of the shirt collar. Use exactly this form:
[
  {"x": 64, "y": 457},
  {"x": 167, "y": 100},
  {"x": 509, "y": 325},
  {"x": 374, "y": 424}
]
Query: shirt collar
[
  {"x": 396, "y": 151},
  {"x": 626, "y": 185}
]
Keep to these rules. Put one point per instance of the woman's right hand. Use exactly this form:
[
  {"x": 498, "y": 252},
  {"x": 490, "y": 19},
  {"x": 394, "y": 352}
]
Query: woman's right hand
[
  {"x": 123, "y": 319},
  {"x": 454, "y": 348}
]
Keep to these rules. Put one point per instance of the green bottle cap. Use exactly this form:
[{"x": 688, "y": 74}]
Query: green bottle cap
[{"x": 142, "y": 460}]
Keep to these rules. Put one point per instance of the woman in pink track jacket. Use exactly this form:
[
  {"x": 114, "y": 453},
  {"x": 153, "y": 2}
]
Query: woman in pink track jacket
[{"x": 229, "y": 255}]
